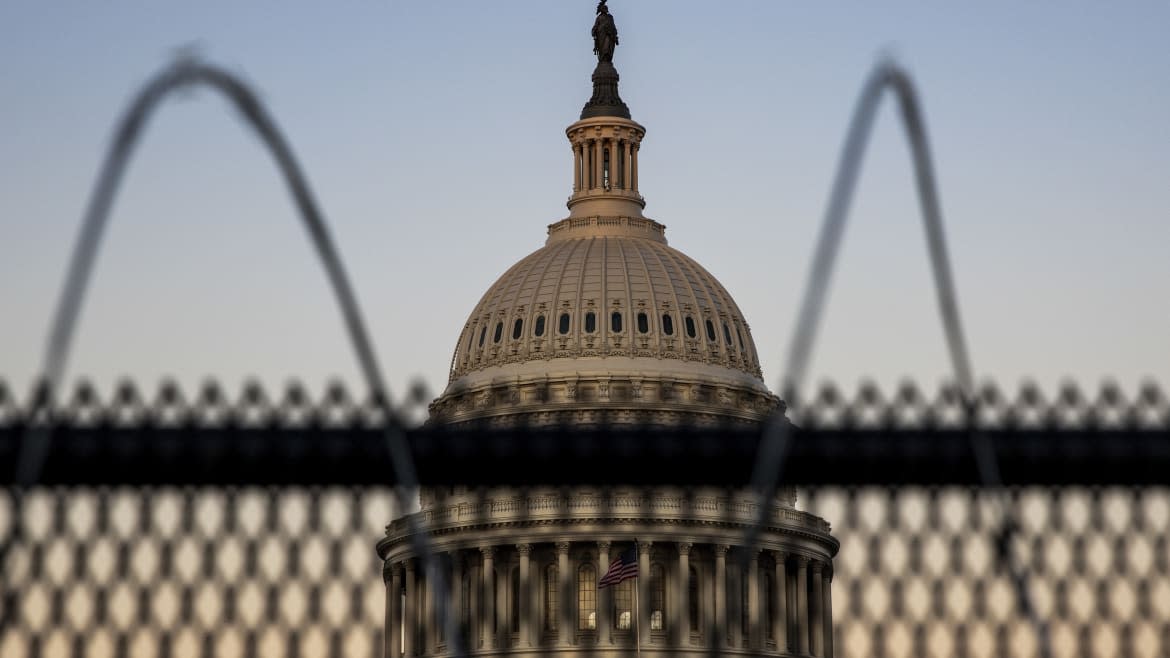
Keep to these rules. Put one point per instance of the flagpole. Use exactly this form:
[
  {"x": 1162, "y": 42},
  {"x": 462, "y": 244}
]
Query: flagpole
[{"x": 637, "y": 603}]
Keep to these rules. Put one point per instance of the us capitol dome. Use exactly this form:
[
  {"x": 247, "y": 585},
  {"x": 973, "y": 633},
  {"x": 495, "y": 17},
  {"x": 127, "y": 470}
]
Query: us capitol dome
[{"x": 606, "y": 324}]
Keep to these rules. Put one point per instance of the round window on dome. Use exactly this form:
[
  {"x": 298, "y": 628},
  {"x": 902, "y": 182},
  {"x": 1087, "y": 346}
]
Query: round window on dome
[
  {"x": 499, "y": 332},
  {"x": 615, "y": 322},
  {"x": 539, "y": 330},
  {"x": 710, "y": 331},
  {"x": 590, "y": 322},
  {"x": 690, "y": 322},
  {"x": 667, "y": 324},
  {"x": 563, "y": 328},
  {"x": 643, "y": 324},
  {"x": 518, "y": 329}
]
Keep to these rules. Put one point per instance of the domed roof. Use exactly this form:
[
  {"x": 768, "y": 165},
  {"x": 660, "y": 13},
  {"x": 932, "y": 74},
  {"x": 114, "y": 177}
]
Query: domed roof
[
  {"x": 647, "y": 301},
  {"x": 607, "y": 307},
  {"x": 606, "y": 322}
]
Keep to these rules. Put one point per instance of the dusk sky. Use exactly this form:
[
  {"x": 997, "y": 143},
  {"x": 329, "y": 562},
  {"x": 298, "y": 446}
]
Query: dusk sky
[{"x": 433, "y": 136}]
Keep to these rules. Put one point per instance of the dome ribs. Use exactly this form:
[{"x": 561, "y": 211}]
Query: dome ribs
[
  {"x": 611, "y": 376},
  {"x": 628, "y": 325}
]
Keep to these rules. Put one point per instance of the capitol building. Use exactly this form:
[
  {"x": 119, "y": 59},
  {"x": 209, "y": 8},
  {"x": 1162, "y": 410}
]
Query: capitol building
[{"x": 606, "y": 324}]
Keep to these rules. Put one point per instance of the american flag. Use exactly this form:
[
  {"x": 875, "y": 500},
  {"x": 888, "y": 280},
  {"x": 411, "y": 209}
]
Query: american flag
[{"x": 623, "y": 566}]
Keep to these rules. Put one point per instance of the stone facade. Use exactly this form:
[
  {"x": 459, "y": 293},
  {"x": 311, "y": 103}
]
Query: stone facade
[{"x": 523, "y": 565}]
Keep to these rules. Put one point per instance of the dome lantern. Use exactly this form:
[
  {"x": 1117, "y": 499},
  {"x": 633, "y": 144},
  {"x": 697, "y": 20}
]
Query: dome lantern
[{"x": 605, "y": 141}]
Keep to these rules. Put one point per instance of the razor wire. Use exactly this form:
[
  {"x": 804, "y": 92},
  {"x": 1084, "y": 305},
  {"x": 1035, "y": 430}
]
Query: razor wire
[
  {"x": 775, "y": 442},
  {"x": 187, "y": 72}
]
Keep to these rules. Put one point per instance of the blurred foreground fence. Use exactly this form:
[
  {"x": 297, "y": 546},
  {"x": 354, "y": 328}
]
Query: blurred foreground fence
[{"x": 245, "y": 525}]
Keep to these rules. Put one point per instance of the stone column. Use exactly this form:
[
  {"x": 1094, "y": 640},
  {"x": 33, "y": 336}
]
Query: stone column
[
  {"x": 780, "y": 602},
  {"x": 753, "y": 611},
  {"x": 394, "y": 613},
  {"x": 628, "y": 166},
  {"x": 827, "y": 610},
  {"x": 565, "y": 626},
  {"x": 487, "y": 620},
  {"x": 720, "y": 595},
  {"x": 474, "y": 623},
  {"x": 429, "y": 611},
  {"x": 802, "y": 629},
  {"x": 525, "y": 595},
  {"x": 604, "y": 597},
  {"x": 576, "y": 167},
  {"x": 410, "y": 621},
  {"x": 614, "y": 168},
  {"x": 597, "y": 163},
  {"x": 634, "y": 167},
  {"x": 454, "y": 606},
  {"x": 643, "y": 585},
  {"x": 680, "y": 621},
  {"x": 816, "y": 623}
]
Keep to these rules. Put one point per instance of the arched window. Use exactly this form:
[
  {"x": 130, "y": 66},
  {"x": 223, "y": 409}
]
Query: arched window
[
  {"x": 590, "y": 322},
  {"x": 550, "y": 598},
  {"x": 710, "y": 331},
  {"x": 564, "y": 324},
  {"x": 693, "y": 600},
  {"x": 643, "y": 324},
  {"x": 623, "y": 605},
  {"x": 470, "y": 340},
  {"x": 690, "y": 322},
  {"x": 605, "y": 163},
  {"x": 667, "y": 324},
  {"x": 586, "y": 598},
  {"x": 726, "y": 335},
  {"x": 499, "y": 332},
  {"x": 514, "y": 601},
  {"x": 739, "y": 334},
  {"x": 657, "y": 597},
  {"x": 482, "y": 335},
  {"x": 539, "y": 331},
  {"x": 615, "y": 322},
  {"x": 518, "y": 329}
]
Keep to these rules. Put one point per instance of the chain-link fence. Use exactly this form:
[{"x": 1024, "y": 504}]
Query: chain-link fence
[{"x": 252, "y": 551}]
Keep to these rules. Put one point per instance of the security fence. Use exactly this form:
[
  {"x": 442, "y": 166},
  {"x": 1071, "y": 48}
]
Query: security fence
[{"x": 245, "y": 526}]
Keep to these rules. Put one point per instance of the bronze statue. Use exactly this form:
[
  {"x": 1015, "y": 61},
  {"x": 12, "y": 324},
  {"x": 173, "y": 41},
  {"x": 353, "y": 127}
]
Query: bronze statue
[{"x": 605, "y": 36}]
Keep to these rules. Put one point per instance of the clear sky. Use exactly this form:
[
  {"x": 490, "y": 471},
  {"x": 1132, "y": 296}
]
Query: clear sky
[{"x": 432, "y": 133}]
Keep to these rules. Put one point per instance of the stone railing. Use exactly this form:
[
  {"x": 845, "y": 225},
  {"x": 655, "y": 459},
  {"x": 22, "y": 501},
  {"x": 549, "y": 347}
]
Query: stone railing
[{"x": 504, "y": 507}]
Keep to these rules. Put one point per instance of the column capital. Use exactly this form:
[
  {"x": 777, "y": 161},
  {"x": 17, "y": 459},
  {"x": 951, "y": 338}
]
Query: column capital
[
  {"x": 603, "y": 546},
  {"x": 524, "y": 549},
  {"x": 721, "y": 550},
  {"x": 408, "y": 564},
  {"x": 817, "y": 566},
  {"x": 684, "y": 547},
  {"x": 562, "y": 548},
  {"x": 754, "y": 556},
  {"x": 488, "y": 551},
  {"x": 780, "y": 555},
  {"x": 645, "y": 544},
  {"x": 802, "y": 560},
  {"x": 396, "y": 569}
]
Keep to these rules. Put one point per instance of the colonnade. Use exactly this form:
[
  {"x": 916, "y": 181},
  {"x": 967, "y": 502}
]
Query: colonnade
[
  {"x": 544, "y": 595},
  {"x": 605, "y": 163}
]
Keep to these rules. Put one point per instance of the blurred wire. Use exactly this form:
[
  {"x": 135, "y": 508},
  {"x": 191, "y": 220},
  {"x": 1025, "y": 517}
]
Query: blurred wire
[
  {"x": 774, "y": 443},
  {"x": 185, "y": 73}
]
